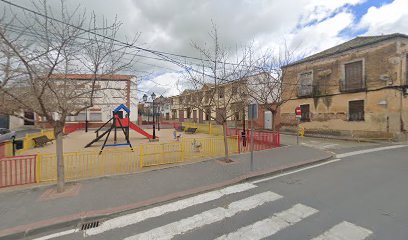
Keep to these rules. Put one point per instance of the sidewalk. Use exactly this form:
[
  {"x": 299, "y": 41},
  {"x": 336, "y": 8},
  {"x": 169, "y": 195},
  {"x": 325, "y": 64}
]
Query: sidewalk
[{"x": 27, "y": 210}]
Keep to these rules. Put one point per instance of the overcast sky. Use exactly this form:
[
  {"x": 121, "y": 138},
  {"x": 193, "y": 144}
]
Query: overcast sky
[{"x": 307, "y": 25}]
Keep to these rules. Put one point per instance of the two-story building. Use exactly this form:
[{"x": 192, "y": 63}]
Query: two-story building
[
  {"x": 358, "y": 88},
  {"x": 110, "y": 91},
  {"x": 226, "y": 101}
]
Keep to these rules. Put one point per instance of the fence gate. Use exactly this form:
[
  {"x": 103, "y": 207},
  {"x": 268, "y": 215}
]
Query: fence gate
[{"x": 17, "y": 170}]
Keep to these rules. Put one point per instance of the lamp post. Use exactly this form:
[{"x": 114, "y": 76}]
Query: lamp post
[
  {"x": 159, "y": 111},
  {"x": 153, "y": 96}
]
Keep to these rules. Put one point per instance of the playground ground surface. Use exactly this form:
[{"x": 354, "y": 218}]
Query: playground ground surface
[{"x": 76, "y": 141}]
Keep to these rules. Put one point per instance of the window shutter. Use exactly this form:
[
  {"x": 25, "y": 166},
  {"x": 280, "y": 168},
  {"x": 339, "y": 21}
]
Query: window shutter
[{"x": 354, "y": 75}]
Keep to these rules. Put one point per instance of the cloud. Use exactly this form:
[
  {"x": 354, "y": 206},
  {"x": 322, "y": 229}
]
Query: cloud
[
  {"x": 171, "y": 26},
  {"x": 389, "y": 18},
  {"x": 166, "y": 84}
]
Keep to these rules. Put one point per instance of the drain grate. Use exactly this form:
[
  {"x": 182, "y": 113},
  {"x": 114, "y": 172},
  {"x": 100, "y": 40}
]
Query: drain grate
[{"x": 89, "y": 225}]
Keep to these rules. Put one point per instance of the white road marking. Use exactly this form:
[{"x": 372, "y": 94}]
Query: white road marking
[
  {"x": 343, "y": 155},
  {"x": 345, "y": 231},
  {"x": 272, "y": 225},
  {"x": 137, "y": 217},
  {"x": 59, "y": 234},
  {"x": 295, "y": 171},
  {"x": 208, "y": 217},
  {"x": 326, "y": 146}
]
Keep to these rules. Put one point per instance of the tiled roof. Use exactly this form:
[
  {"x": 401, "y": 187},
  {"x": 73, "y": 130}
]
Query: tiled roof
[
  {"x": 352, "y": 44},
  {"x": 91, "y": 76}
]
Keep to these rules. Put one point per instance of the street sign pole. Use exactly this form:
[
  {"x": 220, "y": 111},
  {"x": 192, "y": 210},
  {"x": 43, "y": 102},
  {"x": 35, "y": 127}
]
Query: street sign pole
[
  {"x": 297, "y": 132},
  {"x": 252, "y": 145},
  {"x": 252, "y": 115},
  {"x": 298, "y": 113}
]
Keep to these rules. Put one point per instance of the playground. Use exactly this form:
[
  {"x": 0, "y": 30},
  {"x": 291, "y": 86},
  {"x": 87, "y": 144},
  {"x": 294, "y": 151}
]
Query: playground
[
  {"x": 119, "y": 147},
  {"x": 76, "y": 141},
  {"x": 117, "y": 132}
]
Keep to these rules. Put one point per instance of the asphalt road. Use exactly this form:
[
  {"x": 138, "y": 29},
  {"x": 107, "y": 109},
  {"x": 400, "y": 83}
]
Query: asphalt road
[{"x": 358, "y": 197}]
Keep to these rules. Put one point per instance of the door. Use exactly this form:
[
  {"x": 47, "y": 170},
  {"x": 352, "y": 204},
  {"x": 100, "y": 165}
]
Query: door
[
  {"x": 268, "y": 120},
  {"x": 181, "y": 115},
  {"x": 200, "y": 116},
  {"x": 195, "y": 116},
  {"x": 4, "y": 121}
]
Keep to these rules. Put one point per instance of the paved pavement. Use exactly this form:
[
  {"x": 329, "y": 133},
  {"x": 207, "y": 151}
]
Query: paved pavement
[
  {"x": 24, "y": 210},
  {"x": 361, "y": 196},
  {"x": 329, "y": 144}
]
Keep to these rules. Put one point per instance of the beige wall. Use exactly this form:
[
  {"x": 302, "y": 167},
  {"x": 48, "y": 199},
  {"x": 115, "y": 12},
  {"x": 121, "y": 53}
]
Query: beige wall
[{"x": 329, "y": 106}]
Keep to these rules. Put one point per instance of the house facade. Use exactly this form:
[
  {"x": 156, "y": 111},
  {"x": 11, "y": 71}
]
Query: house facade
[
  {"x": 358, "y": 88},
  {"x": 212, "y": 104},
  {"x": 111, "y": 91}
]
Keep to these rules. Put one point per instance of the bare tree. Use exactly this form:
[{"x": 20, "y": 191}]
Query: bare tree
[
  {"x": 266, "y": 86},
  {"x": 39, "y": 51},
  {"x": 218, "y": 82}
]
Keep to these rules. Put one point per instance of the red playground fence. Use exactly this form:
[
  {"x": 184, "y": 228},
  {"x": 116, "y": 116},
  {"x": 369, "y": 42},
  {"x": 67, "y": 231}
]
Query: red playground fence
[{"x": 17, "y": 170}]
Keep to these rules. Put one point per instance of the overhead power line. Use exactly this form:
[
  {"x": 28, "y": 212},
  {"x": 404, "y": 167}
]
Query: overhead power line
[{"x": 161, "y": 54}]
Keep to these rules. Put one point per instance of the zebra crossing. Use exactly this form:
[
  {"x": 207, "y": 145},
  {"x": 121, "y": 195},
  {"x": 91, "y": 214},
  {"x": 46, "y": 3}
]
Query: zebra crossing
[{"x": 261, "y": 229}]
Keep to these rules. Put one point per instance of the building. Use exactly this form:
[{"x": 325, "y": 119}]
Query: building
[
  {"x": 226, "y": 101},
  {"x": 358, "y": 88},
  {"x": 111, "y": 91}
]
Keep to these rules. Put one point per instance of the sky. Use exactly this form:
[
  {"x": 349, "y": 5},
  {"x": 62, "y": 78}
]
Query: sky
[{"x": 306, "y": 26}]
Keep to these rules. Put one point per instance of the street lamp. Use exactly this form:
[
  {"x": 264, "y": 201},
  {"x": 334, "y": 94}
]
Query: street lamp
[
  {"x": 159, "y": 110},
  {"x": 153, "y": 96}
]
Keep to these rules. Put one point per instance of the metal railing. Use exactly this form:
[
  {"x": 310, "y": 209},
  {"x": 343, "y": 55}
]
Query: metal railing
[{"x": 89, "y": 164}]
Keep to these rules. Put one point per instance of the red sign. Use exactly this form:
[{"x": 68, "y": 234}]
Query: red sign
[{"x": 298, "y": 112}]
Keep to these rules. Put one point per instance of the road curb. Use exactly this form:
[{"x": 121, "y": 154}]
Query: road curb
[{"x": 75, "y": 219}]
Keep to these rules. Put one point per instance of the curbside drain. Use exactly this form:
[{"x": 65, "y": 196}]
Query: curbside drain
[{"x": 89, "y": 225}]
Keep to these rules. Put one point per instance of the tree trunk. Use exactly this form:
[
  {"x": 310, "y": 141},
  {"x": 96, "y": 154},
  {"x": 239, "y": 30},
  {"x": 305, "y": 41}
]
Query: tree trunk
[
  {"x": 224, "y": 129},
  {"x": 58, "y": 132}
]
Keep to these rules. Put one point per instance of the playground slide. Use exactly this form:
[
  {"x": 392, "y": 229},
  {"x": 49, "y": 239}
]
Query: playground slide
[{"x": 139, "y": 130}]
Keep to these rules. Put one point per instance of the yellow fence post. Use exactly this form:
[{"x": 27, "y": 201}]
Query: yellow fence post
[
  {"x": 182, "y": 150},
  {"x": 141, "y": 156},
  {"x": 162, "y": 153},
  {"x": 209, "y": 128}
]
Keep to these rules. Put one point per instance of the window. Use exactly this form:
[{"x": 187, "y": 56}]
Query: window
[
  {"x": 95, "y": 116},
  {"x": 234, "y": 90},
  {"x": 188, "y": 113},
  {"x": 406, "y": 69},
  {"x": 305, "y": 84},
  {"x": 80, "y": 117},
  {"x": 305, "y": 113},
  {"x": 353, "y": 76},
  {"x": 356, "y": 110},
  {"x": 181, "y": 100},
  {"x": 208, "y": 113},
  {"x": 221, "y": 92},
  {"x": 29, "y": 118}
]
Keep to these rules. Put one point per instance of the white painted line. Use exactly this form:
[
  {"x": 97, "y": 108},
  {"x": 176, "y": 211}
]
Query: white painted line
[
  {"x": 272, "y": 225},
  {"x": 59, "y": 234},
  {"x": 137, "y": 217},
  {"x": 343, "y": 155},
  {"x": 208, "y": 217},
  {"x": 345, "y": 231},
  {"x": 295, "y": 171}
]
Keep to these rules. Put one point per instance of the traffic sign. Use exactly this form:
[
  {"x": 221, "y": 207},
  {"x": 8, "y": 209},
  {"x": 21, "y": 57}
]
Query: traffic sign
[{"x": 298, "y": 112}]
